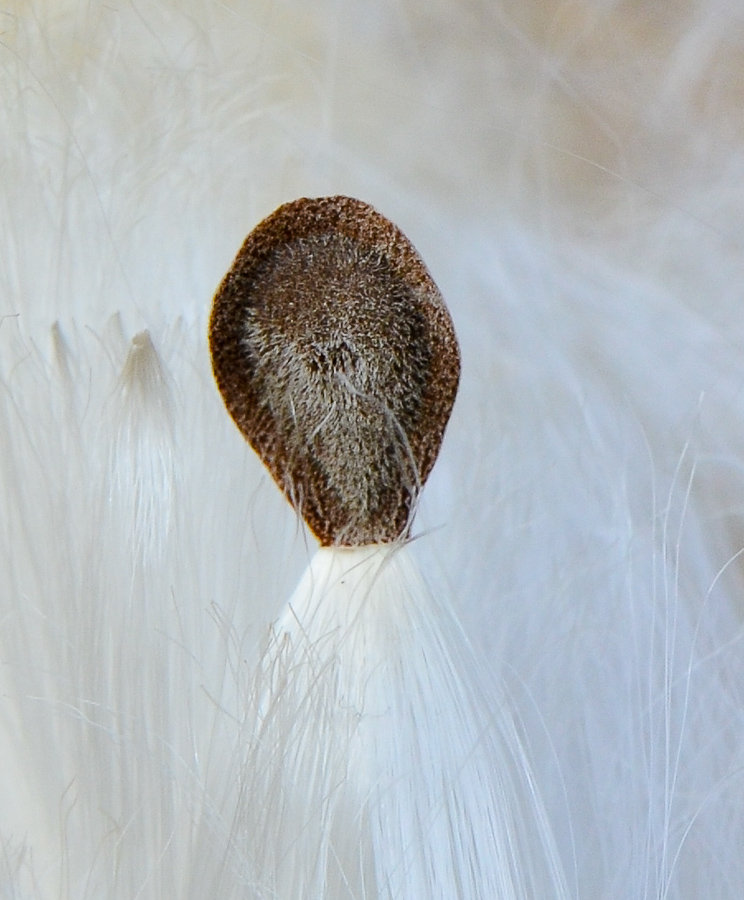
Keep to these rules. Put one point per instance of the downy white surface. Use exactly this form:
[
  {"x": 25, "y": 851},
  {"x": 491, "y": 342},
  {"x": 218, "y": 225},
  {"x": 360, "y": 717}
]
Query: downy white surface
[{"x": 572, "y": 175}]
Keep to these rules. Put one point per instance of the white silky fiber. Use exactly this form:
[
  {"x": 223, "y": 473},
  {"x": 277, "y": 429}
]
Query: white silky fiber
[{"x": 376, "y": 753}]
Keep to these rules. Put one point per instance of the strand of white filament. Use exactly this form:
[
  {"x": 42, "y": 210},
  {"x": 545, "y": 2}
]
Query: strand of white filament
[{"x": 376, "y": 755}]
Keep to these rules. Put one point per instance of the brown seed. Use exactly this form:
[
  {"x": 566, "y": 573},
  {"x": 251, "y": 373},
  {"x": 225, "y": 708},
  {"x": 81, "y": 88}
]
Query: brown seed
[{"x": 337, "y": 358}]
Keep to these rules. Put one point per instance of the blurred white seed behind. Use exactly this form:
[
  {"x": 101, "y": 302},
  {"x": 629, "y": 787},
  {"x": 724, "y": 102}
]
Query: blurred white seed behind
[{"x": 572, "y": 177}]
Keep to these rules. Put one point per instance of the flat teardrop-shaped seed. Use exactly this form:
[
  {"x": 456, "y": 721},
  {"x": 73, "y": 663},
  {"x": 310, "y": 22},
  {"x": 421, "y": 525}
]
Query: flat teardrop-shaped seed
[{"x": 337, "y": 358}]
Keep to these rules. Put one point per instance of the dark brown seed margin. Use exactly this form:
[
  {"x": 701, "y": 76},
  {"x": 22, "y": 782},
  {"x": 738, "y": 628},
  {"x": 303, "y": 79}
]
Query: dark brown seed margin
[{"x": 336, "y": 356}]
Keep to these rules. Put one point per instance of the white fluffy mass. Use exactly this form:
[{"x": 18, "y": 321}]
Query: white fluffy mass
[{"x": 542, "y": 695}]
